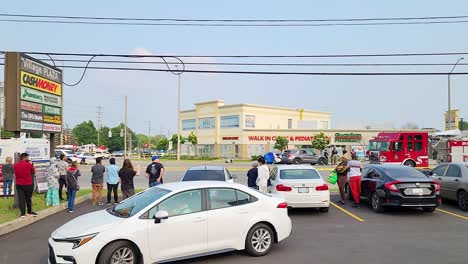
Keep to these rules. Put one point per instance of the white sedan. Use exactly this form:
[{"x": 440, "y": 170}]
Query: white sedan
[
  {"x": 301, "y": 186},
  {"x": 174, "y": 221}
]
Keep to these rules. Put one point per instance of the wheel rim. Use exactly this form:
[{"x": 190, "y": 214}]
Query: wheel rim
[
  {"x": 375, "y": 201},
  {"x": 463, "y": 200},
  {"x": 296, "y": 162},
  {"x": 261, "y": 240},
  {"x": 321, "y": 162},
  {"x": 123, "y": 256}
]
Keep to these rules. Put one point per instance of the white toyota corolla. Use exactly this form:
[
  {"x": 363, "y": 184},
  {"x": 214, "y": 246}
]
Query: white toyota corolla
[
  {"x": 174, "y": 221},
  {"x": 301, "y": 186}
]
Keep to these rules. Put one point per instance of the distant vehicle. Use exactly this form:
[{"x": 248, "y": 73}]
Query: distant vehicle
[
  {"x": 146, "y": 153},
  {"x": 453, "y": 179},
  {"x": 100, "y": 153},
  {"x": 208, "y": 173},
  {"x": 398, "y": 186},
  {"x": 301, "y": 186},
  {"x": 299, "y": 156},
  {"x": 404, "y": 148},
  {"x": 71, "y": 156},
  {"x": 152, "y": 226},
  {"x": 118, "y": 153},
  {"x": 85, "y": 158}
]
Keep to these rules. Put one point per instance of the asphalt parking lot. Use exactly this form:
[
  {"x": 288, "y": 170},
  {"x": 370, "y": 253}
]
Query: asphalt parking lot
[{"x": 339, "y": 236}]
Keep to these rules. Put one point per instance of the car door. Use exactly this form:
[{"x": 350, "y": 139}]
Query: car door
[
  {"x": 227, "y": 219},
  {"x": 452, "y": 181},
  {"x": 438, "y": 174},
  {"x": 366, "y": 181},
  {"x": 184, "y": 232}
]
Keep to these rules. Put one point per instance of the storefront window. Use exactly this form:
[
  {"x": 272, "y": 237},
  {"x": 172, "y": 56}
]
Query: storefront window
[
  {"x": 206, "y": 123},
  {"x": 230, "y": 121},
  {"x": 249, "y": 121},
  {"x": 188, "y": 124}
]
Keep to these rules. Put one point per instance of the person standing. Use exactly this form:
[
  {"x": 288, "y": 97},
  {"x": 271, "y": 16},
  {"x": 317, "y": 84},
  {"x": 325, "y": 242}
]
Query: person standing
[
  {"x": 7, "y": 177},
  {"x": 53, "y": 176},
  {"x": 63, "y": 167},
  {"x": 252, "y": 176},
  {"x": 334, "y": 155},
  {"x": 263, "y": 175},
  {"x": 155, "y": 172},
  {"x": 126, "y": 174},
  {"x": 326, "y": 155},
  {"x": 24, "y": 170},
  {"x": 72, "y": 185},
  {"x": 355, "y": 169},
  {"x": 112, "y": 181},
  {"x": 97, "y": 180},
  {"x": 342, "y": 171}
]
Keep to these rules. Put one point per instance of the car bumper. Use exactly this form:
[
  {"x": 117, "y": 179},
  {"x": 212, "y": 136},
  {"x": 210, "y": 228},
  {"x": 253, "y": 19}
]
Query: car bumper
[
  {"x": 60, "y": 252},
  {"x": 284, "y": 229},
  {"x": 395, "y": 200},
  {"x": 313, "y": 200}
]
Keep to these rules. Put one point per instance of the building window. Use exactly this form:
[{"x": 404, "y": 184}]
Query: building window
[
  {"x": 323, "y": 124},
  {"x": 188, "y": 124},
  {"x": 249, "y": 121},
  {"x": 289, "y": 123},
  {"x": 206, "y": 123},
  {"x": 230, "y": 121}
]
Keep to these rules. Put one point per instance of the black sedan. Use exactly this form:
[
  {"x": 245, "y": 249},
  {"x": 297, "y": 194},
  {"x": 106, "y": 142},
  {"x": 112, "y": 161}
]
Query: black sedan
[{"x": 398, "y": 186}]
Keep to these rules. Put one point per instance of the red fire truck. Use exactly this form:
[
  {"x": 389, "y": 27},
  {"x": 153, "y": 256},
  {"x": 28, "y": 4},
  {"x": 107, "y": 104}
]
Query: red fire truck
[{"x": 406, "y": 148}]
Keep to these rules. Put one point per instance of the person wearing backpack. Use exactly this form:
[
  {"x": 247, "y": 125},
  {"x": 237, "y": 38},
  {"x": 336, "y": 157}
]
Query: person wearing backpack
[
  {"x": 155, "y": 172},
  {"x": 342, "y": 171}
]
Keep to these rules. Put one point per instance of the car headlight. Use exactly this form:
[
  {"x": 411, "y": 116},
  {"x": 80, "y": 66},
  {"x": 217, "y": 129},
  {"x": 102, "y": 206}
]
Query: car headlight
[{"x": 76, "y": 241}]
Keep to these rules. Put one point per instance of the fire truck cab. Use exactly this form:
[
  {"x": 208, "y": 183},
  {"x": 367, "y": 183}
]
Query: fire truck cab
[{"x": 405, "y": 148}]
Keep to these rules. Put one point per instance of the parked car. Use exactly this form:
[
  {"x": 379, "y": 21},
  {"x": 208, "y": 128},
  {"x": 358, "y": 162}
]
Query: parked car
[
  {"x": 71, "y": 156},
  {"x": 398, "y": 186},
  {"x": 99, "y": 153},
  {"x": 152, "y": 226},
  {"x": 298, "y": 156},
  {"x": 453, "y": 179},
  {"x": 208, "y": 173},
  {"x": 85, "y": 158},
  {"x": 146, "y": 153},
  {"x": 301, "y": 186},
  {"x": 118, "y": 153}
]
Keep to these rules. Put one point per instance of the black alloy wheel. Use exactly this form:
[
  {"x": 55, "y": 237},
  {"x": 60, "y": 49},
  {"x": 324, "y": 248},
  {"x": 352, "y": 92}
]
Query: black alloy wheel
[
  {"x": 321, "y": 161},
  {"x": 259, "y": 240},
  {"x": 376, "y": 203},
  {"x": 462, "y": 199},
  {"x": 296, "y": 161}
]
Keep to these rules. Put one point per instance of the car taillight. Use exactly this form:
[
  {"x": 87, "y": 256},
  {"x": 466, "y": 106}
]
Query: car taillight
[
  {"x": 289, "y": 155},
  {"x": 323, "y": 187},
  {"x": 391, "y": 186},
  {"x": 436, "y": 186},
  {"x": 282, "y": 205},
  {"x": 282, "y": 188}
]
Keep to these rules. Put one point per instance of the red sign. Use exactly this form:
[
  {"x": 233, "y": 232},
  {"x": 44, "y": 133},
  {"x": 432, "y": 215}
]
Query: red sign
[
  {"x": 458, "y": 143},
  {"x": 31, "y": 106},
  {"x": 273, "y": 138},
  {"x": 230, "y": 138}
]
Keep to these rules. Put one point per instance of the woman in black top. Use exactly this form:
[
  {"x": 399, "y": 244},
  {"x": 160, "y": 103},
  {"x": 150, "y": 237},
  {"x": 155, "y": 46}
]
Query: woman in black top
[
  {"x": 126, "y": 175},
  {"x": 252, "y": 176}
]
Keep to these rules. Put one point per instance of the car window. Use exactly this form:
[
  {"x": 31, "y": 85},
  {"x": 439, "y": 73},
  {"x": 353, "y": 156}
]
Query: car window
[
  {"x": 373, "y": 174},
  {"x": 204, "y": 175},
  {"x": 180, "y": 204},
  {"x": 399, "y": 172},
  {"x": 136, "y": 203},
  {"x": 440, "y": 171},
  {"x": 222, "y": 198},
  {"x": 243, "y": 198},
  {"x": 273, "y": 173},
  {"x": 453, "y": 171},
  {"x": 298, "y": 174}
]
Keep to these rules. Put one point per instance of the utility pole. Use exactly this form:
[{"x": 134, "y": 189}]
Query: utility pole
[
  {"x": 178, "y": 114},
  {"x": 449, "y": 114},
  {"x": 99, "y": 120},
  {"x": 125, "y": 129},
  {"x": 149, "y": 133}
]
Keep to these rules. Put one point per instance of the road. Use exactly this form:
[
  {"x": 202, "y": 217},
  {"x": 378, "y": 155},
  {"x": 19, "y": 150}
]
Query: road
[{"x": 398, "y": 236}]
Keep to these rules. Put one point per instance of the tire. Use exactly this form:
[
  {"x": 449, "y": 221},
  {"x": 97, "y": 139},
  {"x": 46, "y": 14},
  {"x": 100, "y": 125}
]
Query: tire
[
  {"x": 321, "y": 161},
  {"x": 410, "y": 163},
  {"x": 462, "y": 199},
  {"x": 296, "y": 161},
  {"x": 429, "y": 209},
  {"x": 348, "y": 191},
  {"x": 119, "y": 247},
  {"x": 255, "y": 245},
  {"x": 323, "y": 209},
  {"x": 376, "y": 203}
]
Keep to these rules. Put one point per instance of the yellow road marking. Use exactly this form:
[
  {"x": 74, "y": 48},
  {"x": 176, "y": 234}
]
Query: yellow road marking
[
  {"x": 347, "y": 212},
  {"x": 452, "y": 214}
]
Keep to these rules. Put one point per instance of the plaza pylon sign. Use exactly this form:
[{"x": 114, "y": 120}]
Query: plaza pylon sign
[{"x": 33, "y": 95}]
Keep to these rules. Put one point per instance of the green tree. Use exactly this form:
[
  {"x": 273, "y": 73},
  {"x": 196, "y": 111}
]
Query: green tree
[
  {"x": 174, "y": 141},
  {"x": 85, "y": 133},
  {"x": 192, "y": 138},
  {"x": 281, "y": 143},
  {"x": 116, "y": 142},
  {"x": 463, "y": 125},
  {"x": 320, "y": 141},
  {"x": 163, "y": 144}
]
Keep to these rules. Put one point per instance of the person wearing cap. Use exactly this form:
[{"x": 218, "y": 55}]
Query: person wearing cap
[
  {"x": 252, "y": 176},
  {"x": 155, "y": 172}
]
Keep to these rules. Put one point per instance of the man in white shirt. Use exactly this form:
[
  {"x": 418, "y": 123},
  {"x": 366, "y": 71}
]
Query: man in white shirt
[
  {"x": 355, "y": 169},
  {"x": 263, "y": 175}
]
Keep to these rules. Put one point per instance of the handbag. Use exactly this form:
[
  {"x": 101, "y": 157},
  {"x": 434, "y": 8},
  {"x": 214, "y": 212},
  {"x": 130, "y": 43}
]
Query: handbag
[
  {"x": 77, "y": 185},
  {"x": 333, "y": 177}
]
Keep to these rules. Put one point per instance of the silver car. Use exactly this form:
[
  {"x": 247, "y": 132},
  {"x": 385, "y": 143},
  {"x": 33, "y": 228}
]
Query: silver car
[
  {"x": 453, "y": 179},
  {"x": 208, "y": 173},
  {"x": 299, "y": 156}
]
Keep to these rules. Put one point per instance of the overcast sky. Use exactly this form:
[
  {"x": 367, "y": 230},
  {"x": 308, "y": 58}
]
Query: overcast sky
[{"x": 353, "y": 101}]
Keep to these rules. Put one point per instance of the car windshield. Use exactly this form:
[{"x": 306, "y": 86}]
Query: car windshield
[
  {"x": 378, "y": 146},
  {"x": 403, "y": 172},
  {"x": 68, "y": 152},
  {"x": 204, "y": 175},
  {"x": 136, "y": 203},
  {"x": 299, "y": 174}
]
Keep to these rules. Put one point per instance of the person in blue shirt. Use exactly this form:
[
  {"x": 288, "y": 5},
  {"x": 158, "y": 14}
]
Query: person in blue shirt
[{"x": 112, "y": 181}]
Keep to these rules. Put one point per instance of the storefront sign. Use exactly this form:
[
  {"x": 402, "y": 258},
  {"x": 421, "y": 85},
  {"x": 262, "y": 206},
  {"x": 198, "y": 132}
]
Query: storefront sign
[
  {"x": 39, "y": 83},
  {"x": 347, "y": 137},
  {"x": 31, "y": 116},
  {"x": 230, "y": 138},
  {"x": 290, "y": 138},
  {"x": 230, "y": 121},
  {"x": 40, "y": 97},
  {"x": 53, "y": 119},
  {"x": 52, "y": 128},
  {"x": 26, "y": 125},
  {"x": 51, "y": 110},
  {"x": 40, "y": 69},
  {"x": 33, "y": 107}
]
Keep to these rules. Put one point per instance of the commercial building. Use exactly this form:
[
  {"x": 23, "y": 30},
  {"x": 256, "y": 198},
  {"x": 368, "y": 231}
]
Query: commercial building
[{"x": 245, "y": 130}]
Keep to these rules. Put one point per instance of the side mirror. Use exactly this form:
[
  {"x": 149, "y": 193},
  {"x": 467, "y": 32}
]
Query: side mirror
[{"x": 160, "y": 215}]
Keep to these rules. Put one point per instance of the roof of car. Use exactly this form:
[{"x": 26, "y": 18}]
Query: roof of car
[
  {"x": 180, "y": 186},
  {"x": 207, "y": 168},
  {"x": 295, "y": 167}
]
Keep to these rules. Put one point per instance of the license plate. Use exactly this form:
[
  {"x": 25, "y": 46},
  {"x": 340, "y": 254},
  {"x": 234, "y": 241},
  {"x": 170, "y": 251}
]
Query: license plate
[
  {"x": 303, "y": 190},
  {"x": 418, "y": 191}
]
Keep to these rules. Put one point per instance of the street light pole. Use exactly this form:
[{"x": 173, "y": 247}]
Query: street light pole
[
  {"x": 178, "y": 114},
  {"x": 125, "y": 129},
  {"x": 449, "y": 114}
]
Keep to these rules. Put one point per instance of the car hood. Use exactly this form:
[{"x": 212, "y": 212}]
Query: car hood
[{"x": 87, "y": 224}]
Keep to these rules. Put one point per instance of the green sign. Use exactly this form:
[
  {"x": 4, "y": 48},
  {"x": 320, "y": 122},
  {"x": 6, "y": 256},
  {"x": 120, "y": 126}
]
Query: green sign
[
  {"x": 347, "y": 137},
  {"x": 32, "y": 95},
  {"x": 51, "y": 110}
]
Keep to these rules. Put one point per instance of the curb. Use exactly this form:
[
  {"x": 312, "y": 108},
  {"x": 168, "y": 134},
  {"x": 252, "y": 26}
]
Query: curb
[{"x": 22, "y": 222}]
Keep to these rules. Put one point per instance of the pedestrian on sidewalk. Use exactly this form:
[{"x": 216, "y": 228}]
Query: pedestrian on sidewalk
[
  {"x": 252, "y": 176},
  {"x": 112, "y": 181},
  {"x": 355, "y": 169},
  {"x": 342, "y": 171},
  {"x": 155, "y": 172},
  {"x": 53, "y": 176},
  {"x": 263, "y": 175},
  {"x": 63, "y": 167},
  {"x": 24, "y": 170},
  {"x": 72, "y": 185},
  {"x": 97, "y": 180},
  {"x": 126, "y": 174},
  {"x": 7, "y": 177},
  {"x": 334, "y": 155}
]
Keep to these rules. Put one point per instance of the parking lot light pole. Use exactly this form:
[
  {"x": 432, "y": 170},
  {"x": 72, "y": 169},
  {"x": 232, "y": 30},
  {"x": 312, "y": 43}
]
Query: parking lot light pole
[
  {"x": 178, "y": 114},
  {"x": 449, "y": 115}
]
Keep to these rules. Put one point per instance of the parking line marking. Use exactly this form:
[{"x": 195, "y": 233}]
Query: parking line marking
[
  {"x": 347, "y": 212},
  {"x": 452, "y": 214}
]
